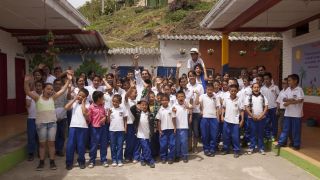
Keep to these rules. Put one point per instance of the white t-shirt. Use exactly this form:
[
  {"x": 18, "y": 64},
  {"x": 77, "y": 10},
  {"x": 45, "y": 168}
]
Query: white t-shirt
[
  {"x": 294, "y": 110},
  {"x": 280, "y": 99},
  {"x": 209, "y": 105},
  {"x": 224, "y": 94},
  {"x": 116, "y": 119},
  {"x": 271, "y": 93},
  {"x": 193, "y": 89},
  {"x": 257, "y": 104},
  {"x": 240, "y": 83},
  {"x": 127, "y": 106},
  {"x": 139, "y": 83},
  {"x": 143, "y": 128},
  {"x": 50, "y": 79},
  {"x": 120, "y": 91},
  {"x": 191, "y": 63},
  {"x": 173, "y": 99},
  {"x": 32, "y": 112},
  {"x": 181, "y": 116},
  {"x": 187, "y": 92},
  {"x": 77, "y": 119},
  {"x": 165, "y": 116},
  {"x": 107, "y": 100},
  {"x": 92, "y": 89},
  {"x": 232, "y": 110}
]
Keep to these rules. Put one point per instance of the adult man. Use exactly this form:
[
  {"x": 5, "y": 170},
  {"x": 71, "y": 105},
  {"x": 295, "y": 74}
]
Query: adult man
[{"x": 195, "y": 59}]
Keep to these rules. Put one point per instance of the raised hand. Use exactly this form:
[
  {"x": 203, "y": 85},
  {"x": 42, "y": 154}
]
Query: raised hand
[
  {"x": 27, "y": 78},
  {"x": 179, "y": 64}
]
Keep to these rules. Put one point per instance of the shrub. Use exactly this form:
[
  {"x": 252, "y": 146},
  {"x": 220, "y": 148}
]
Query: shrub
[{"x": 176, "y": 16}]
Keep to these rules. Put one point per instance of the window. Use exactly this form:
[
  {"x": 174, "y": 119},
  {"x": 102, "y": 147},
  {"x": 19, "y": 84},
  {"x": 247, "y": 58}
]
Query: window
[
  {"x": 123, "y": 70},
  {"x": 302, "y": 29},
  {"x": 166, "y": 71}
]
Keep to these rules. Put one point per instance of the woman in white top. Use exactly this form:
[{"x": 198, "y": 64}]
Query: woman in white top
[{"x": 46, "y": 118}]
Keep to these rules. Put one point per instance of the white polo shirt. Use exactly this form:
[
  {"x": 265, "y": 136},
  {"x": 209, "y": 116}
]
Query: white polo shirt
[
  {"x": 116, "y": 119},
  {"x": 127, "y": 106},
  {"x": 280, "y": 99},
  {"x": 181, "y": 116},
  {"x": 209, "y": 105},
  {"x": 294, "y": 110},
  {"x": 143, "y": 128},
  {"x": 193, "y": 89},
  {"x": 92, "y": 89},
  {"x": 257, "y": 104},
  {"x": 173, "y": 99},
  {"x": 77, "y": 119},
  {"x": 271, "y": 93},
  {"x": 232, "y": 110},
  {"x": 165, "y": 116},
  {"x": 107, "y": 100}
]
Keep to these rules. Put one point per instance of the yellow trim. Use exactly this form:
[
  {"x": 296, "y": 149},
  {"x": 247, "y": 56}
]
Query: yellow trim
[{"x": 225, "y": 49}]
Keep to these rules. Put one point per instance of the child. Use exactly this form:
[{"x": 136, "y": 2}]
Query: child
[
  {"x": 46, "y": 118},
  {"x": 246, "y": 91},
  {"x": 293, "y": 103},
  {"x": 183, "y": 119},
  {"x": 154, "y": 107},
  {"x": 256, "y": 106},
  {"x": 271, "y": 92},
  {"x": 95, "y": 86},
  {"x": 117, "y": 130},
  {"x": 31, "y": 122},
  {"x": 78, "y": 129},
  {"x": 97, "y": 119},
  {"x": 280, "y": 107},
  {"x": 144, "y": 128},
  {"x": 232, "y": 108},
  {"x": 209, "y": 105},
  {"x": 167, "y": 130}
]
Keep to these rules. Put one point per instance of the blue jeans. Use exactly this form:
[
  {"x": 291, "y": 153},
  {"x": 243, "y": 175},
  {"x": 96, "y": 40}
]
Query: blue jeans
[
  {"x": 32, "y": 136},
  {"x": 76, "y": 141},
  {"x": 294, "y": 124},
  {"x": 271, "y": 129},
  {"x": 182, "y": 143},
  {"x": 131, "y": 141},
  {"x": 246, "y": 128},
  {"x": 143, "y": 151},
  {"x": 116, "y": 138},
  {"x": 167, "y": 145},
  {"x": 209, "y": 127},
  {"x": 60, "y": 135},
  {"x": 257, "y": 132},
  {"x": 231, "y": 133},
  {"x": 219, "y": 132},
  {"x": 98, "y": 136}
]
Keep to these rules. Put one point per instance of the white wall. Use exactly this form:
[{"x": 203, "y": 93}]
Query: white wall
[
  {"x": 289, "y": 42},
  {"x": 10, "y": 46},
  {"x": 170, "y": 53},
  {"x": 125, "y": 60}
]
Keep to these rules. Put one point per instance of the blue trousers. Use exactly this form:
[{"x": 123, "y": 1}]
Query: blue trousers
[
  {"x": 257, "y": 132},
  {"x": 209, "y": 127},
  {"x": 60, "y": 135},
  {"x": 131, "y": 141},
  {"x": 182, "y": 143},
  {"x": 246, "y": 128},
  {"x": 295, "y": 125},
  {"x": 271, "y": 129},
  {"x": 143, "y": 152},
  {"x": 219, "y": 132},
  {"x": 32, "y": 136},
  {"x": 76, "y": 141},
  {"x": 155, "y": 145},
  {"x": 117, "y": 138},
  {"x": 98, "y": 136},
  {"x": 195, "y": 124},
  {"x": 167, "y": 145},
  {"x": 231, "y": 134}
]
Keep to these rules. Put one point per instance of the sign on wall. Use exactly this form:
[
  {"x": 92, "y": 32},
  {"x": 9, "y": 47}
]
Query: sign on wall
[{"x": 306, "y": 63}]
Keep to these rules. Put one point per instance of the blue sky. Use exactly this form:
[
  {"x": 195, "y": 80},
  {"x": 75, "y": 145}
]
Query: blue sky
[{"x": 77, "y": 3}]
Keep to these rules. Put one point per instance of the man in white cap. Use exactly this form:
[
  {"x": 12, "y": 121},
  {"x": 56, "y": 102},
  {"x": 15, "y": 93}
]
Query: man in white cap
[{"x": 195, "y": 59}]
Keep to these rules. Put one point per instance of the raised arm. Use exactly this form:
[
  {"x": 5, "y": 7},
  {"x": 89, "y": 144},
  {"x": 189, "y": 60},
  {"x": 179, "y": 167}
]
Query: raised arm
[
  {"x": 64, "y": 88},
  {"x": 68, "y": 106},
  {"x": 33, "y": 96},
  {"x": 177, "y": 73}
]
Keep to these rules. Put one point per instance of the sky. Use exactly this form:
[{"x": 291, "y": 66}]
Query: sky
[{"x": 77, "y": 3}]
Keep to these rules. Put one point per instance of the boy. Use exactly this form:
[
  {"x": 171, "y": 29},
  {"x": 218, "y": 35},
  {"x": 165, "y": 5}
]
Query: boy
[
  {"x": 78, "y": 129},
  {"x": 144, "y": 126},
  {"x": 233, "y": 110},
  {"x": 245, "y": 92},
  {"x": 280, "y": 107},
  {"x": 167, "y": 130},
  {"x": 97, "y": 119},
  {"x": 154, "y": 107},
  {"x": 271, "y": 92},
  {"x": 117, "y": 129},
  {"x": 183, "y": 119},
  {"x": 256, "y": 106},
  {"x": 209, "y": 106},
  {"x": 293, "y": 103}
]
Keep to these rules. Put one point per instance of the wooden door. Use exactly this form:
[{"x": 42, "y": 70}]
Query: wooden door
[
  {"x": 20, "y": 69},
  {"x": 3, "y": 84}
]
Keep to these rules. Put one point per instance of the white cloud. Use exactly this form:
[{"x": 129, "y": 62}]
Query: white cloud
[{"x": 77, "y": 3}]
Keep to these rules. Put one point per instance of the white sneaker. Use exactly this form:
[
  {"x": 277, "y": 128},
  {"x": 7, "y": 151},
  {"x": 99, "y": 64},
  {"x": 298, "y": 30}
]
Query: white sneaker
[
  {"x": 135, "y": 161},
  {"x": 250, "y": 151},
  {"x": 91, "y": 165},
  {"x": 114, "y": 164},
  {"x": 262, "y": 152},
  {"x": 105, "y": 164},
  {"x": 120, "y": 164}
]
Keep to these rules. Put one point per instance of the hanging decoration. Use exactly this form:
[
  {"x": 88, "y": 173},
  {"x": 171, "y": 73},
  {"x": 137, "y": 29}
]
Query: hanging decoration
[
  {"x": 210, "y": 51},
  {"x": 265, "y": 46},
  {"x": 242, "y": 53}
]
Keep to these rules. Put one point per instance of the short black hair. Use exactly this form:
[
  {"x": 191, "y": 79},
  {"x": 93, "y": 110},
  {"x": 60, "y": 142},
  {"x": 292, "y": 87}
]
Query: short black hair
[
  {"x": 57, "y": 68},
  {"x": 209, "y": 85},
  {"x": 192, "y": 72},
  {"x": 84, "y": 90},
  {"x": 294, "y": 77},
  {"x": 234, "y": 86},
  {"x": 180, "y": 92},
  {"x": 268, "y": 74},
  {"x": 96, "y": 76},
  {"x": 165, "y": 96},
  {"x": 118, "y": 97},
  {"x": 97, "y": 95},
  {"x": 57, "y": 80},
  {"x": 160, "y": 94}
]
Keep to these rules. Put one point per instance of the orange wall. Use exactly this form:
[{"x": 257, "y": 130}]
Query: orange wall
[{"x": 271, "y": 59}]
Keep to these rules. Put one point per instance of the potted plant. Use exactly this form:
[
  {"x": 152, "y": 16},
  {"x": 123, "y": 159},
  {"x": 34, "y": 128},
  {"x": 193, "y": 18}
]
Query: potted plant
[{"x": 210, "y": 51}]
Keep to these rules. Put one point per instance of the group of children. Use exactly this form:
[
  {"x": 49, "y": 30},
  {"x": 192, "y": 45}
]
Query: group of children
[{"x": 156, "y": 116}]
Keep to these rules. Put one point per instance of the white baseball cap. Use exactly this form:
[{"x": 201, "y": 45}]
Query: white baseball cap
[{"x": 194, "y": 50}]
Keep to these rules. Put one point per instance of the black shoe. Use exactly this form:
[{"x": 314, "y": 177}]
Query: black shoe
[
  {"x": 236, "y": 155},
  {"x": 224, "y": 153},
  {"x": 59, "y": 153},
  {"x": 53, "y": 165},
  {"x": 163, "y": 161},
  {"x": 82, "y": 166},
  {"x": 170, "y": 162},
  {"x": 177, "y": 160},
  {"x": 297, "y": 148},
  {"x": 40, "y": 166},
  {"x": 207, "y": 154},
  {"x": 152, "y": 165},
  {"x": 185, "y": 160},
  {"x": 30, "y": 157},
  {"x": 143, "y": 163},
  {"x": 212, "y": 154},
  {"x": 69, "y": 167}
]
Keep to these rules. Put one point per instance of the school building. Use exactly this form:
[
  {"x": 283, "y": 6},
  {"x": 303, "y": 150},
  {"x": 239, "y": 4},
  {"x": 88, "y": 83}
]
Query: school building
[{"x": 299, "y": 23}]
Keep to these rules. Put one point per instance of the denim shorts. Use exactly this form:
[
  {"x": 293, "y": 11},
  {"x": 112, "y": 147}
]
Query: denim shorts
[{"x": 47, "y": 131}]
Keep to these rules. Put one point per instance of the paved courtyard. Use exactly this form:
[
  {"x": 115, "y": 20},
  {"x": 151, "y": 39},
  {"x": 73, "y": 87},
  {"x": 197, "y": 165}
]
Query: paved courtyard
[{"x": 256, "y": 166}]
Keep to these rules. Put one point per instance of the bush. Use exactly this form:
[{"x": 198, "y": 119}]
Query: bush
[
  {"x": 176, "y": 16},
  {"x": 91, "y": 65},
  {"x": 139, "y": 10}
]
